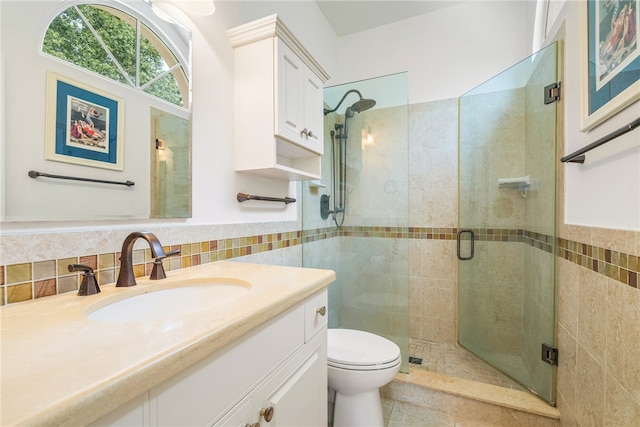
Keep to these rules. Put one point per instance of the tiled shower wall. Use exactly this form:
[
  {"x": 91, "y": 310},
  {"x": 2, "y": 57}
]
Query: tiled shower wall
[{"x": 433, "y": 202}]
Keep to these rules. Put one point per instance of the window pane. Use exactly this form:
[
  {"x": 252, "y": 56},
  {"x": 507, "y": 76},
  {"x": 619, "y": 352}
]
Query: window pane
[
  {"x": 167, "y": 89},
  {"x": 117, "y": 30},
  {"x": 69, "y": 38}
]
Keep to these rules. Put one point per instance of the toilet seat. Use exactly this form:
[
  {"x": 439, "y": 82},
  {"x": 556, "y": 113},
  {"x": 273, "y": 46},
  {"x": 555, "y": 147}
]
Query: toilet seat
[{"x": 361, "y": 351}]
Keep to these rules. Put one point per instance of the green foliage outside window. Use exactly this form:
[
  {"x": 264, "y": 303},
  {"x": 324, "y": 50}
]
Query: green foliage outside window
[{"x": 71, "y": 39}]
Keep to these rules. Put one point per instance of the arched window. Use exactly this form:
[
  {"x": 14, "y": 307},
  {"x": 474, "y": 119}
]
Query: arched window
[{"x": 118, "y": 46}]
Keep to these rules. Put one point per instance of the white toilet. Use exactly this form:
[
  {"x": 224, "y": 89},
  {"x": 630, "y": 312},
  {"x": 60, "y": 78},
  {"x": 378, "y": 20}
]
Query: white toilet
[{"x": 359, "y": 363}]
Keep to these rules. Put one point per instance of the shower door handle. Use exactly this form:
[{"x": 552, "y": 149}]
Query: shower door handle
[{"x": 473, "y": 238}]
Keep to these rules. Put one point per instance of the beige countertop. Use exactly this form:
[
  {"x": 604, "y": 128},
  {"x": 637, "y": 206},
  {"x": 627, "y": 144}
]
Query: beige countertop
[{"x": 60, "y": 368}]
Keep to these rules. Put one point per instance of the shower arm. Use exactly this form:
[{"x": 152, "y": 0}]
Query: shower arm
[{"x": 342, "y": 100}]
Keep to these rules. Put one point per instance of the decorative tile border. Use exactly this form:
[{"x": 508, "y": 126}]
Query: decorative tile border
[
  {"x": 26, "y": 281},
  {"x": 619, "y": 266},
  {"x": 32, "y": 280}
]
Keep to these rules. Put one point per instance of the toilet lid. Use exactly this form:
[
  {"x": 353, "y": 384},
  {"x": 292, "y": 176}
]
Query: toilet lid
[{"x": 348, "y": 347}]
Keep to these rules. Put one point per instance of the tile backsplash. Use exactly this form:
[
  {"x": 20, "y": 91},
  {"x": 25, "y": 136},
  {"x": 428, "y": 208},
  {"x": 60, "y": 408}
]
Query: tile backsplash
[{"x": 31, "y": 280}]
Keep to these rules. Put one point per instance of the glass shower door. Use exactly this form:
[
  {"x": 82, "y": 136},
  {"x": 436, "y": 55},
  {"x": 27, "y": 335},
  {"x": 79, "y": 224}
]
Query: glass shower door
[
  {"x": 506, "y": 244},
  {"x": 364, "y": 242}
]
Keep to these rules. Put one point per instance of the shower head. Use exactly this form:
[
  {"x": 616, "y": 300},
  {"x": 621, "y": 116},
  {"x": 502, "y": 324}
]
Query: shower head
[{"x": 360, "y": 105}]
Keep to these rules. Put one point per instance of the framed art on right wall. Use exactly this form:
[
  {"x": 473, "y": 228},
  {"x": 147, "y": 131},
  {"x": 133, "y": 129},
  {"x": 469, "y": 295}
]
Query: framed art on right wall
[{"x": 610, "y": 58}]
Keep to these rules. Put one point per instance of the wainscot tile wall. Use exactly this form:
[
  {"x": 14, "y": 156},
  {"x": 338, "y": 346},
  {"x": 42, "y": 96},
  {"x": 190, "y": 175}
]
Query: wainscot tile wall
[{"x": 32, "y": 280}]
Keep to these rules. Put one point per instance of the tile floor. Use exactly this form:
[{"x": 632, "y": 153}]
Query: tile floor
[
  {"x": 401, "y": 414},
  {"x": 447, "y": 359}
]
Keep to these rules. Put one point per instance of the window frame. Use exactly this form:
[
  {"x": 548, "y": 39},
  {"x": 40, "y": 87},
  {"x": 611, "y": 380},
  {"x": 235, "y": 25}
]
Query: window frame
[{"x": 146, "y": 26}]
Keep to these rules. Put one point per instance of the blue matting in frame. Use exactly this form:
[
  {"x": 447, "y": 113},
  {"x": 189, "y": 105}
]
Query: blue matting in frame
[{"x": 63, "y": 92}]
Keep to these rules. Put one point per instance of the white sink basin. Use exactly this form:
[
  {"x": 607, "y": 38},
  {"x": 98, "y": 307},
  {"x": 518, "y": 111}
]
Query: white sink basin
[{"x": 188, "y": 298}]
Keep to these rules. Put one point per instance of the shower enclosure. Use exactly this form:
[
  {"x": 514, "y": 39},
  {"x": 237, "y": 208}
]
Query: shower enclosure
[
  {"x": 506, "y": 236},
  {"x": 354, "y": 219}
]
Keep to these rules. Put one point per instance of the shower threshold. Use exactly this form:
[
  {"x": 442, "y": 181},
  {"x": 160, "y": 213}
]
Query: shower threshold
[
  {"x": 454, "y": 387},
  {"x": 455, "y": 361}
]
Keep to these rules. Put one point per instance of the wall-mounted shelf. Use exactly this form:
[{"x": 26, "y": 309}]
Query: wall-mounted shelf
[{"x": 521, "y": 183}]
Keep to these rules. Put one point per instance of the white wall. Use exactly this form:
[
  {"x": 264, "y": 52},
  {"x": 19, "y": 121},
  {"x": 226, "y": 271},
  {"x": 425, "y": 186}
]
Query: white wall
[
  {"x": 605, "y": 191},
  {"x": 446, "y": 53}
]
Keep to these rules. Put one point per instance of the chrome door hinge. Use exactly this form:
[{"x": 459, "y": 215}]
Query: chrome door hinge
[
  {"x": 552, "y": 93},
  {"x": 549, "y": 354}
]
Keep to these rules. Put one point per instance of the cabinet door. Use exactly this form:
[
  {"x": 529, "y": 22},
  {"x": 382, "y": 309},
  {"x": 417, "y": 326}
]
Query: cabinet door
[
  {"x": 289, "y": 94},
  {"x": 298, "y": 393},
  {"x": 313, "y": 112}
]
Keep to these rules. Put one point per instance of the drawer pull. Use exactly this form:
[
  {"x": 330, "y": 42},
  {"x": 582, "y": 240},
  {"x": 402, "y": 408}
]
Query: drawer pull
[
  {"x": 267, "y": 413},
  {"x": 322, "y": 310},
  {"x": 252, "y": 425}
]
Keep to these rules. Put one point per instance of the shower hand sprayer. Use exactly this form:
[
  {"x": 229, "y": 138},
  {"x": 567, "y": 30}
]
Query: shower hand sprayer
[{"x": 339, "y": 161}]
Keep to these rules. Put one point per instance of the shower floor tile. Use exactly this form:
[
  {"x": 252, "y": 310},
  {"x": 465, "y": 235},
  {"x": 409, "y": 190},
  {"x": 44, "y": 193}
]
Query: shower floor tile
[{"x": 454, "y": 360}]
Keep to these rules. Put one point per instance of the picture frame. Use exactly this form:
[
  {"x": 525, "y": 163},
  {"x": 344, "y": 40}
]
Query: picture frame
[
  {"x": 610, "y": 59},
  {"x": 83, "y": 124}
]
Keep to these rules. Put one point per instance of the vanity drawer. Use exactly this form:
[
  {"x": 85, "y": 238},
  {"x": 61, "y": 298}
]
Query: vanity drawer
[{"x": 316, "y": 313}]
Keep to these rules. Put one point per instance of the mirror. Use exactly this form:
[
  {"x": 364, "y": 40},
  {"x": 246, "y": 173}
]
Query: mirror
[{"x": 89, "y": 89}]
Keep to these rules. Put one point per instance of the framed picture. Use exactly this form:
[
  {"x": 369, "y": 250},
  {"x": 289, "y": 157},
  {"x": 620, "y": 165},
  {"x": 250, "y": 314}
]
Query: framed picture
[
  {"x": 610, "y": 58},
  {"x": 83, "y": 124}
]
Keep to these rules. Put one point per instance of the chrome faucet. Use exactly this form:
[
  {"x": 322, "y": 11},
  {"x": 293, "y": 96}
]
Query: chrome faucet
[{"x": 126, "y": 276}]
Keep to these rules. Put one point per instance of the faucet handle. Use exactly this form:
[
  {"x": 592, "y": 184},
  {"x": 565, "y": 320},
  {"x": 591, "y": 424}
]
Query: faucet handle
[
  {"x": 89, "y": 284},
  {"x": 157, "y": 272}
]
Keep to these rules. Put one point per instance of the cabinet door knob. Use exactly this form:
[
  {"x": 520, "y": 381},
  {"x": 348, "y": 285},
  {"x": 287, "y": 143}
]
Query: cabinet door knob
[
  {"x": 310, "y": 134},
  {"x": 322, "y": 310},
  {"x": 304, "y": 132},
  {"x": 267, "y": 413}
]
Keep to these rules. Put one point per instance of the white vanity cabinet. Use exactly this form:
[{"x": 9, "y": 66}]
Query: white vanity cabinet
[
  {"x": 278, "y": 102},
  {"x": 277, "y": 372}
]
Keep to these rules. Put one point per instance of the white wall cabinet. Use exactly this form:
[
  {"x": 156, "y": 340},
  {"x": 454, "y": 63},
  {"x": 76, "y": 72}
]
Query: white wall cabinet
[
  {"x": 278, "y": 102},
  {"x": 274, "y": 376},
  {"x": 299, "y": 101}
]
